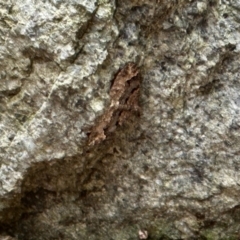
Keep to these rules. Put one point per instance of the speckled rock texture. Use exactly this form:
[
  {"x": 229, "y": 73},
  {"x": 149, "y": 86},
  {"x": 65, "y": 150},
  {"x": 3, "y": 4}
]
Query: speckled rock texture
[{"x": 171, "y": 172}]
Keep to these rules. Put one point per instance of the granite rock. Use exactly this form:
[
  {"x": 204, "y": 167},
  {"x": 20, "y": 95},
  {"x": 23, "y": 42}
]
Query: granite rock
[{"x": 170, "y": 173}]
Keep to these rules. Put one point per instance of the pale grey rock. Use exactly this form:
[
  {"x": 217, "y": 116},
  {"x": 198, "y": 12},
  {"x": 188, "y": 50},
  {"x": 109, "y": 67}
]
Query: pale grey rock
[
  {"x": 6, "y": 238},
  {"x": 173, "y": 173}
]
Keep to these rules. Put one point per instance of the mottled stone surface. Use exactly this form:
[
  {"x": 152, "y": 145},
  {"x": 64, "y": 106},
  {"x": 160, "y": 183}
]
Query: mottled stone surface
[{"x": 172, "y": 173}]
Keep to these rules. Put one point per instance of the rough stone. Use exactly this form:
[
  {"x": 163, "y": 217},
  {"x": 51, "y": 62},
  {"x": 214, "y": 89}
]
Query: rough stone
[{"x": 172, "y": 173}]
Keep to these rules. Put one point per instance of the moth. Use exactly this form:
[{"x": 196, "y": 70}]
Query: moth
[{"x": 124, "y": 98}]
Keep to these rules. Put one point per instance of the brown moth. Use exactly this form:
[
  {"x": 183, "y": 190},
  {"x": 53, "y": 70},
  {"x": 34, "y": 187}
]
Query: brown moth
[{"x": 124, "y": 96}]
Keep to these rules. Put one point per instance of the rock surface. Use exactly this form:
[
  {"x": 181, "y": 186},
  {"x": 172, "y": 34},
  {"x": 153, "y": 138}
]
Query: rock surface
[{"x": 172, "y": 173}]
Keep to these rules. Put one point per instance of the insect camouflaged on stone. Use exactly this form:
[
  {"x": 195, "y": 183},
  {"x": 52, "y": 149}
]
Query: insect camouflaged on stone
[{"x": 124, "y": 96}]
